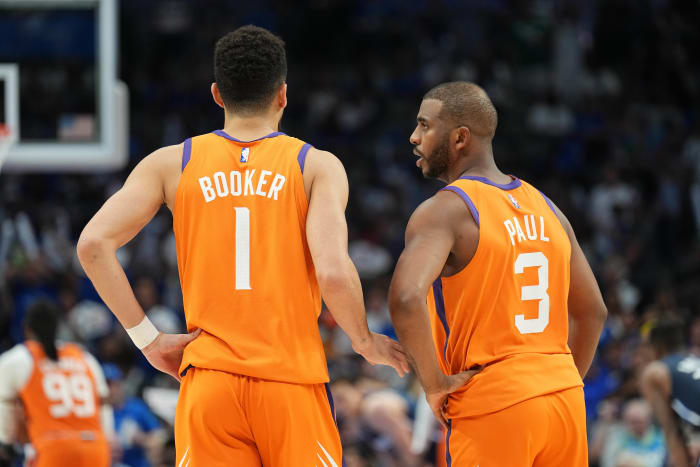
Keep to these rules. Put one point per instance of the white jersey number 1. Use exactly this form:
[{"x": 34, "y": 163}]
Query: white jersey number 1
[
  {"x": 534, "y": 292},
  {"x": 242, "y": 248}
]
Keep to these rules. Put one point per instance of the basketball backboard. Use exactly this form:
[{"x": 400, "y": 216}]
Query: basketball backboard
[
  {"x": 9, "y": 110},
  {"x": 60, "y": 93}
]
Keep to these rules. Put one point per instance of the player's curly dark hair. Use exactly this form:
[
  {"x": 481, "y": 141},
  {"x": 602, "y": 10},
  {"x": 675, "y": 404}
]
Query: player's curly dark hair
[{"x": 250, "y": 64}]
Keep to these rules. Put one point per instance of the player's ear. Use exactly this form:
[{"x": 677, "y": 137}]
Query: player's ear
[
  {"x": 461, "y": 136},
  {"x": 282, "y": 96},
  {"x": 217, "y": 95}
]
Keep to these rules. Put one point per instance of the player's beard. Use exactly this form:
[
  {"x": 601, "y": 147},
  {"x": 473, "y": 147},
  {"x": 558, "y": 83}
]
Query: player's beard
[{"x": 439, "y": 161}]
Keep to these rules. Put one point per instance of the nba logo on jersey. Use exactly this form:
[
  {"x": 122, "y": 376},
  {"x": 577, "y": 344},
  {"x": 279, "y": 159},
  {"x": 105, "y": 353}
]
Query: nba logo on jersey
[
  {"x": 245, "y": 153},
  {"x": 510, "y": 197}
]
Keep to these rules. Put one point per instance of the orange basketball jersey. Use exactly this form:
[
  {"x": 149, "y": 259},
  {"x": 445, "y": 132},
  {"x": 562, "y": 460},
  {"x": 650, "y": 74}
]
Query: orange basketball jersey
[
  {"x": 507, "y": 309},
  {"x": 60, "y": 399},
  {"x": 247, "y": 276}
]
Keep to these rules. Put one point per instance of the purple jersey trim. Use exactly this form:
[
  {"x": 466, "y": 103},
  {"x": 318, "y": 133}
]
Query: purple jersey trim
[
  {"x": 466, "y": 199},
  {"x": 508, "y": 186},
  {"x": 223, "y": 134},
  {"x": 448, "y": 457},
  {"x": 549, "y": 203},
  {"x": 301, "y": 158},
  {"x": 440, "y": 309},
  {"x": 333, "y": 414},
  {"x": 186, "y": 153},
  {"x": 184, "y": 372},
  {"x": 330, "y": 401}
]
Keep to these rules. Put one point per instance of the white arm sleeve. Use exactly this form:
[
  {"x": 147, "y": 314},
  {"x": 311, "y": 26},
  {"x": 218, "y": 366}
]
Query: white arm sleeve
[
  {"x": 107, "y": 421},
  {"x": 106, "y": 412},
  {"x": 16, "y": 367},
  {"x": 96, "y": 370}
]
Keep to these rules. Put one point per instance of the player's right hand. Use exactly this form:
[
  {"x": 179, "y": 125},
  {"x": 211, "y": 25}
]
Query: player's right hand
[
  {"x": 437, "y": 397},
  {"x": 383, "y": 350},
  {"x": 165, "y": 352}
]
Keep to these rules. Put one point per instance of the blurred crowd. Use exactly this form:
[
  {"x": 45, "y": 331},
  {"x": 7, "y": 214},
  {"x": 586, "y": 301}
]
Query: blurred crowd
[{"x": 598, "y": 107}]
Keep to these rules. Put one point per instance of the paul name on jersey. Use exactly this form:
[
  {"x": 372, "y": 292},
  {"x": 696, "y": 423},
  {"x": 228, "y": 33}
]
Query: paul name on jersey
[
  {"x": 241, "y": 184},
  {"x": 516, "y": 233}
]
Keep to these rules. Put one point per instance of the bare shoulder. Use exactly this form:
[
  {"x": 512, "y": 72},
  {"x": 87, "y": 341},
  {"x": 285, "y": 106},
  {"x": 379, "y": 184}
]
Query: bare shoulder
[
  {"x": 656, "y": 373},
  {"x": 169, "y": 152},
  {"x": 443, "y": 210},
  {"x": 163, "y": 168},
  {"x": 323, "y": 166},
  {"x": 167, "y": 158},
  {"x": 318, "y": 160},
  {"x": 161, "y": 162}
]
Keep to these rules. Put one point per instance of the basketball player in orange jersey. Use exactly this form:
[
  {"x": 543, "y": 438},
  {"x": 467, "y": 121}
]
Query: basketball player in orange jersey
[
  {"x": 261, "y": 235},
  {"x": 61, "y": 389},
  {"x": 515, "y": 310}
]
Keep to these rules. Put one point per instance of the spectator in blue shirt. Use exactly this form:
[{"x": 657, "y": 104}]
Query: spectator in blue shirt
[
  {"x": 140, "y": 434},
  {"x": 637, "y": 442}
]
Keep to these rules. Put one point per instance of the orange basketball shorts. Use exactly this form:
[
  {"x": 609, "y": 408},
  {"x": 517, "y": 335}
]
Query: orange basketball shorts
[
  {"x": 225, "y": 419},
  {"x": 74, "y": 452},
  {"x": 545, "y": 431}
]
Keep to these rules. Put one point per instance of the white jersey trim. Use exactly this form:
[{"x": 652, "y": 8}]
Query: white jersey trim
[{"x": 686, "y": 413}]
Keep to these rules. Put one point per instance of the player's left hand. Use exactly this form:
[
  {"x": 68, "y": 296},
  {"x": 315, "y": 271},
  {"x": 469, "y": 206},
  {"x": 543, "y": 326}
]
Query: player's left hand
[
  {"x": 165, "y": 352},
  {"x": 437, "y": 397},
  {"x": 383, "y": 350}
]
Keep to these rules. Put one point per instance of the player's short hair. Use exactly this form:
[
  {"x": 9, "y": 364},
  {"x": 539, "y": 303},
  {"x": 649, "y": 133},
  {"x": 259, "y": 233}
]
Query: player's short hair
[
  {"x": 42, "y": 320},
  {"x": 668, "y": 336},
  {"x": 250, "y": 64},
  {"x": 467, "y": 104}
]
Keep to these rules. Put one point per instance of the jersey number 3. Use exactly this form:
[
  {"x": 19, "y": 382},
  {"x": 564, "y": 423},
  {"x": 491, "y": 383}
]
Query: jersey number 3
[{"x": 534, "y": 292}]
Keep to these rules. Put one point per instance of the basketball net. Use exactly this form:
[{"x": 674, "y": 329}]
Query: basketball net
[{"x": 7, "y": 140}]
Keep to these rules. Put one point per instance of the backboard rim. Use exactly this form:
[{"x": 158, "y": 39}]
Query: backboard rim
[{"x": 111, "y": 152}]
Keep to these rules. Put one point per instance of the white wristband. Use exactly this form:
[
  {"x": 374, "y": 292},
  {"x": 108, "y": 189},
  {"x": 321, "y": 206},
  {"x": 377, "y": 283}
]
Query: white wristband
[{"x": 143, "y": 333}]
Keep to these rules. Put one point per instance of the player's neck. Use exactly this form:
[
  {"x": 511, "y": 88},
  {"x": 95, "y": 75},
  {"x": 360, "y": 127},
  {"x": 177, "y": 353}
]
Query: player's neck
[
  {"x": 248, "y": 128},
  {"x": 477, "y": 165}
]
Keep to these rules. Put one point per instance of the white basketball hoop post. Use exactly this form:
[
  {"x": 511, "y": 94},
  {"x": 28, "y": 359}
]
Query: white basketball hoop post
[
  {"x": 111, "y": 151},
  {"x": 9, "y": 129}
]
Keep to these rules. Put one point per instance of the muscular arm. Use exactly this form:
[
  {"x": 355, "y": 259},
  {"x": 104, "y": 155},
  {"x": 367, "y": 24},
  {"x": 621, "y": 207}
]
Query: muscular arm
[
  {"x": 327, "y": 234},
  {"x": 116, "y": 223},
  {"x": 429, "y": 240},
  {"x": 152, "y": 183},
  {"x": 587, "y": 311},
  {"x": 655, "y": 386}
]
